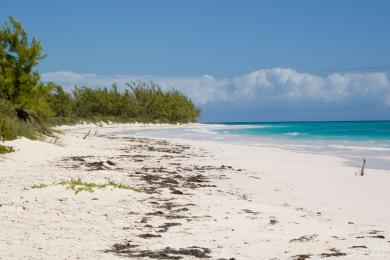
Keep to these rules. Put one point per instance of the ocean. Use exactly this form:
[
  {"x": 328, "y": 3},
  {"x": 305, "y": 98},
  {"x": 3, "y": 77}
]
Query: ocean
[{"x": 352, "y": 140}]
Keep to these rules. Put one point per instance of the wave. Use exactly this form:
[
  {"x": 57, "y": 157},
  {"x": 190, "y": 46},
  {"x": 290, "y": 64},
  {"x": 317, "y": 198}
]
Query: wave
[
  {"x": 364, "y": 131},
  {"x": 353, "y": 147},
  {"x": 293, "y": 133},
  {"x": 202, "y": 131}
]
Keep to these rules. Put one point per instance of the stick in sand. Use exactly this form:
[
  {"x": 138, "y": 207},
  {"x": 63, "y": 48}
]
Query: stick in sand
[
  {"x": 362, "y": 173},
  {"x": 85, "y": 136}
]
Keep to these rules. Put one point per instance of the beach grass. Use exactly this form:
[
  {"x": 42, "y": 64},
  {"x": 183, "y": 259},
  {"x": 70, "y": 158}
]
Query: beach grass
[{"x": 6, "y": 149}]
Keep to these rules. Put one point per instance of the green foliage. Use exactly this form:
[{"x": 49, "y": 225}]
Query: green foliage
[
  {"x": 59, "y": 101},
  {"x": 180, "y": 108},
  {"x": 140, "y": 101},
  {"x": 21, "y": 92},
  {"x": 18, "y": 56},
  {"x": 11, "y": 126},
  {"x": 39, "y": 186},
  {"x": 27, "y": 105},
  {"x": 77, "y": 185},
  {"x": 6, "y": 149}
]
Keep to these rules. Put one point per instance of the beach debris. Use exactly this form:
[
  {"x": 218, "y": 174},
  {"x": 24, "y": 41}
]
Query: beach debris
[
  {"x": 362, "y": 173},
  {"x": 180, "y": 209},
  {"x": 55, "y": 140},
  {"x": 353, "y": 247},
  {"x": 86, "y": 135},
  {"x": 163, "y": 170},
  {"x": 166, "y": 253},
  {"x": 156, "y": 213},
  {"x": 176, "y": 191},
  {"x": 126, "y": 245},
  {"x": 76, "y": 162},
  {"x": 166, "y": 226},
  {"x": 333, "y": 252},
  {"x": 304, "y": 238},
  {"x": 95, "y": 166},
  {"x": 251, "y": 211},
  {"x": 175, "y": 150},
  {"x": 243, "y": 196},
  {"x": 148, "y": 235},
  {"x": 378, "y": 236},
  {"x": 301, "y": 257},
  {"x": 76, "y": 158},
  {"x": 374, "y": 232},
  {"x": 110, "y": 163},
  {"x": 338, "y": 238}
]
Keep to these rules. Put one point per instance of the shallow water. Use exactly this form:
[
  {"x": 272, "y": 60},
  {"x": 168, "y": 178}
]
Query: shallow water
[{"x": 350, "y": 140}]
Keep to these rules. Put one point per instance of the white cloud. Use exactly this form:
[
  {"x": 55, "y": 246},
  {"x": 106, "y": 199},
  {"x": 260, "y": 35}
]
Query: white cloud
[{"x": 277, "y": 85}]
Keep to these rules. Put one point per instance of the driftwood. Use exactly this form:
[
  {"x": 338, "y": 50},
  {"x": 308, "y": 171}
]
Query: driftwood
[
  {"x": 55, "y": 139},
  {"x": 362, "y": 173},
  {"x": 86, "y": 135}
]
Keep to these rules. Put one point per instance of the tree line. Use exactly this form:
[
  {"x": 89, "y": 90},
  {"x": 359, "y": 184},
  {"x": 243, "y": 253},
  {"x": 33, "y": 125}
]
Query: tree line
[{"x": 28, "y": 107}]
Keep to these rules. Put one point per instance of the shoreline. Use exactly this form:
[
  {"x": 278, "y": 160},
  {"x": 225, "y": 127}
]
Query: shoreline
[
  {"x": 352, "y": 152},
  {"x": 258, "y": 202}
]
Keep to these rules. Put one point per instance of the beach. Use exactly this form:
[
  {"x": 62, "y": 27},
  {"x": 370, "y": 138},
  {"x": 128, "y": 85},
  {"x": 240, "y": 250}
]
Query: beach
[{"x": 103, "y": 192}]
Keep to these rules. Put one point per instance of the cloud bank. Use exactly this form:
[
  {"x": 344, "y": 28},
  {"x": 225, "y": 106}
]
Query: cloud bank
[{"x": 264, "y": 88}]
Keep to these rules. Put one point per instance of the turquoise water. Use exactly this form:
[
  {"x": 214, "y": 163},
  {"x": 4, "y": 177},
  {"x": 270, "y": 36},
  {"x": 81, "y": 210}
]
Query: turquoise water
[
  {"x": 361, "y": 131},
  {"x": 352, "y": 141}
]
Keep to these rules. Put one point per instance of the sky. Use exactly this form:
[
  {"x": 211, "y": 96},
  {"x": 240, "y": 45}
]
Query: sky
[{"x": 238, "y": 60}]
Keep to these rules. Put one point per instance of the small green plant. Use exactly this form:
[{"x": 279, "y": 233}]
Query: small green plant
[
  {"x": 6, "y": 149},
  {"x": 39, "y": 186},
  {"x": 77, "y": 186}
]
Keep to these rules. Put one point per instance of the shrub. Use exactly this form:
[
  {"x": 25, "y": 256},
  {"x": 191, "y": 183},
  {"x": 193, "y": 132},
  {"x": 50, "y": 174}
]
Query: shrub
[
  {"x": 6, "y": 149},
  {"x": 11, "y": 128}
]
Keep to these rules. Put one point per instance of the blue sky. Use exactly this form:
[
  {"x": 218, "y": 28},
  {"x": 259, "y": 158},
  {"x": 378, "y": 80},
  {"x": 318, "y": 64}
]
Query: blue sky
[{"x": 238, "y": 60}]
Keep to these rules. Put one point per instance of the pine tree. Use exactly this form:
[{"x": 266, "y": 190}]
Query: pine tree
[{"x": 19, "y": 83}]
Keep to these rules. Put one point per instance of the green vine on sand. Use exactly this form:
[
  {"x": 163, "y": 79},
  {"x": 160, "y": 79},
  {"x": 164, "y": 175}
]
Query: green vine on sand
[{"x": 77, "y": 186}]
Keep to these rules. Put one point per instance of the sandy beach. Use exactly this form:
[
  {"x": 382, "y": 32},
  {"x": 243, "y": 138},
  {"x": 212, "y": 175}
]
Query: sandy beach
[{"x": 114, "y": 195}]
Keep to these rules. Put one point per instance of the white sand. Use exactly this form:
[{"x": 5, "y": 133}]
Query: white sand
[{"x": 255, "y": 211}]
